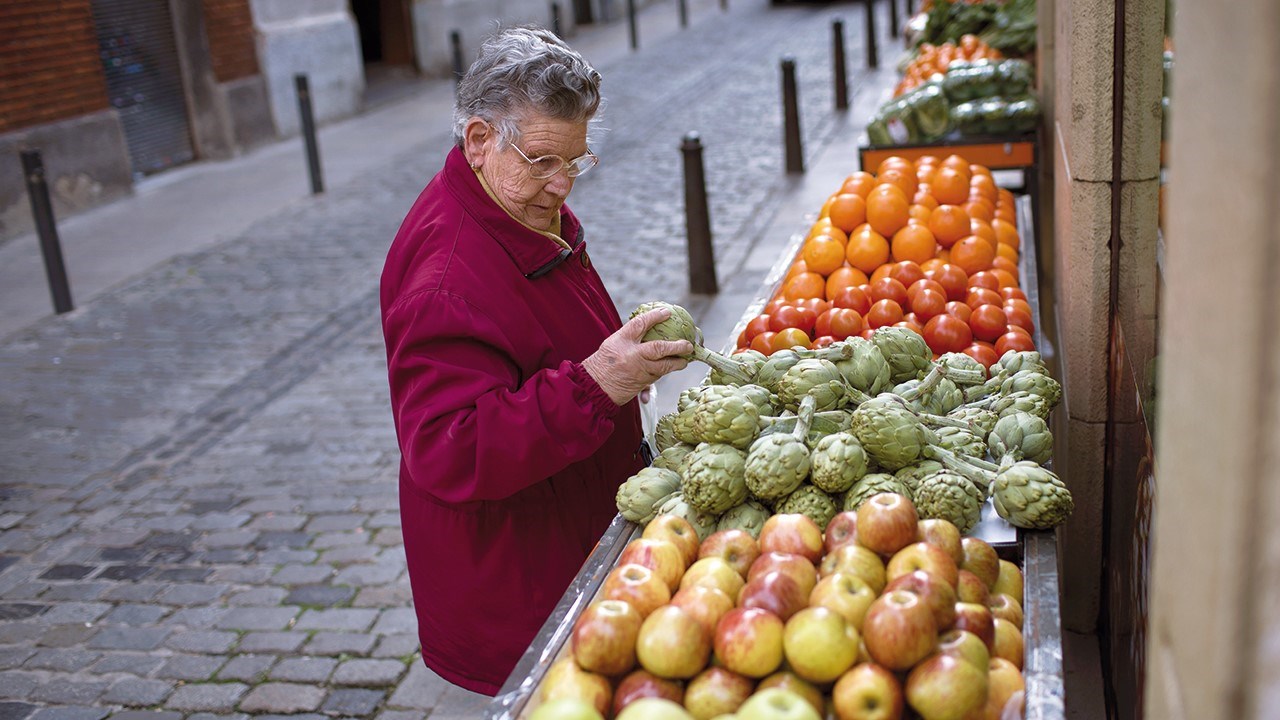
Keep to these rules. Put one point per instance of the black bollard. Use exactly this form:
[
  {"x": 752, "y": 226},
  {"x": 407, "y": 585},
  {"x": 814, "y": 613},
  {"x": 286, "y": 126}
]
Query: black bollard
[
  {"x": 455, "y": 41},
  {"x": 47, "y": 229},
  {"x": 791, "y": 117},
  {"x": 684, "y": 12},
  {"x": 838, "y": 65},
  {"x": 893, "y": 18},
  {"x": 872, "y": 55},
  {"x": 724, "y": 5},
  {"x": 309, "y": 133},
  {"x": 631, "y": 24},
  {"x": 697, "y": 220},
  {"x": 555, "y": 19}
]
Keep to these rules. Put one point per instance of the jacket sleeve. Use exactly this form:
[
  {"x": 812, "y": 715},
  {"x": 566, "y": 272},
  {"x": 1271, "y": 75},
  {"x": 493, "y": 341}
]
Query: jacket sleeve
[{"x": 470, "y": 427}]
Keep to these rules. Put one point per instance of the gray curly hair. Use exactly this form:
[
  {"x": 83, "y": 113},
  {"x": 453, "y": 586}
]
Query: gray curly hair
[{"x": 525, "y": 69}]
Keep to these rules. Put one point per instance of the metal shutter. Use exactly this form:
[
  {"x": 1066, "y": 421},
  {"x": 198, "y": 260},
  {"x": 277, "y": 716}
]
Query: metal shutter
[{"x": 144, "y": 82}]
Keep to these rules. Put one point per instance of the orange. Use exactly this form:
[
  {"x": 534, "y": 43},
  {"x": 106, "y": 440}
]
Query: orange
[
  {"x": 824, "y": 227},
  {"x": 955, "y": 162},
  {"x": 1006, "y": 233},
  {"x": 1006, "y": 196},
  {"x": 880, "y": 273},
  {"x": 895, "y": 161},
  {"x": 1006, "y": 214},
  {"x": 950, "y": 187},
  {"x": 948, "y": 224},
  {"x": 913, "y": 242},
  {"x": 927, "y": 160},
  {"x": 1005, "y": 250},
  {"x": 826, "y": 207},
  {"x": 845, "y": 276},
  {"x": 859, "y": 183},
  {"x": 796, "y": 268},
  {"x": 982, "y": 229},
  {"x": 920, "y": 213},
  {"x": 980, "y": 207},
  {"x": 976, "y": 170},
  {"x": 867, "y": 250},
  {"x": 848, "y": 211},
  {"x": 823, "y": 255},
  {"x": 1004, "y": 263},
  {"x": 944, "y": 255},
  {"x": 925, "y": 173},
  {"x": 984, "y": 186},
  {"x": 887, "y": 213},
  {"x": 972, "y": 254},
  {"x": 904, "y": 180},
  {"x": 805, "y": 285},
  {"x": 932, "y": 264},
  {"x": 1007, "y": 279}
]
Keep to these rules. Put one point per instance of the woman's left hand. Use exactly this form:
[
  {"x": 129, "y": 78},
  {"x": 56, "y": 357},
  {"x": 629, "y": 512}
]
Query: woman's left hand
[{"x": 625, "y": 365}]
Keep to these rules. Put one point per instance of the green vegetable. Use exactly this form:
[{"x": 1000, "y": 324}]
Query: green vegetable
[
  {"x": 872, "y": 484},
  {"x": 837, "y": 462},
  {"x": 750, "y": 517},
  {"x": 777, "y": 464},
  {"x": 1029, "y": 496},
  {"x": 951, "y": 497},
  {"x": 713, "y": 478},
  {"x": 680, "y": 326},
  {"x": 930, "y": 110},
  {"x": 639, "y": 497},
  {"x": 811, "y": 501}
]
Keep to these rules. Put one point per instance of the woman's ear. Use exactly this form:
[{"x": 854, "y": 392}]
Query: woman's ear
[{"x": 477, "y": 137}]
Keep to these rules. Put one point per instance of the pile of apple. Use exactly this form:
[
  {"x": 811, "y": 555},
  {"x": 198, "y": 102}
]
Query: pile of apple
[{"x": 881, "y": 616}]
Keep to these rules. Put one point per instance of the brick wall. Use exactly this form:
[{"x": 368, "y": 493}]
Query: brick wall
[
  {"x": 49, "y": 67},
  {"x": 230, "y": 28}
]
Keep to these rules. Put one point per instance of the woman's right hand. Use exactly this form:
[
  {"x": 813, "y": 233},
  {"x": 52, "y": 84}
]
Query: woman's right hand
[{"x": 624, "y": 365}]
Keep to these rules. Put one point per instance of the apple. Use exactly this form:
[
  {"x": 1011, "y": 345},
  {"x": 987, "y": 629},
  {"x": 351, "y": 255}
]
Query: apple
[
  {"x": 935, "y": 593},
  {"x": 1008, "y": 644},
  {"x": 978, "y": 620},
  {"x": 981, "y": 560},
  {"x": 1004, "y": 681},
  {"x": 966, "y": 646},
  {"x": 790, "y": 681},
  {"x": 941, "y": 533},
  {"x": 855, "y": 560},
  {"x": 1003, "y": 606},
  {"x": 848, "y": 595},
  {"x": 644, "y": 684},
  {"x": 734, "y": 546},
  {"x": 654, "y": 709},
  {"x": 706, "y": 604},
  {"x": 748, "y": 641},
  {"x": 797, "y": 567},
  {"x": 604, "y": 637},
  {"x": 677, "y": 531},
  {"x": 792, "y": 533},
  {"x": 1009, "y": 581},
  {"x": 776, "y": 592},
  {"x": 971, "y": 588},
  {"x": 842, "y": 530},
  {"x": 564, "y": 679},
  {"x": 660, "y": 556},
  {"x": 713, "y": 572},
  {"x": 943, "y": 687},
  {"x": 637, "y": 586},
  {"x": 716, "y": 691},
  {"x": 886, "y": 523},
  {"x": 864, "y": 655},
  {"x": 819, "y": 644},
  {"x": 672, "y": 644},
  {"x": 777, "y": 704},
  {"x": 923, "y": 556},
  {"x": 566, "y": 708},
  {"x": 899, "y": 630},
  {"x": 868, "y": 692}
]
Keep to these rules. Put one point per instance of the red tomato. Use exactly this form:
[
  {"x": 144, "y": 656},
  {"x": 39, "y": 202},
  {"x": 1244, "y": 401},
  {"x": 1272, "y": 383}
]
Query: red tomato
[
  {"x": 947, "y": 333},
  {"x": 954, "y": 280},
  {"x": 928, "y": 302},
  {"x": 884, "y": 312},
  {"x": 821, "y": 342},
  {"x": 889, "y": 289},
  {"x": 959, "y": 309},
  {"x": 1014, "y": 340},
  {"x": 790, "y": 316},
  {"x": 1018, "y": 317},
  {"x": 988, "y": 322},
  {"x": 906, "y": 272},
  {"x": 758, "y": 324},
  {"x": 790, "y": 337},
  {"x": 983, "y": 354},
  {"x": 817, "y": 305},
  {"x": 773, "y": 305},
  {"x": 985, "y": 279},
  {"x": 854, "y": 299},
  {"x": 763, "y": 342},
  {"x": 1018, "y": 329},
  {"x": 981, "y": 296},
  {"x": 1012, "y": 293},
  {"x": 1026, "y": 306},
  {"x": 926, "y": 283},
  {"x": 913, "y": 327},
  {"x": 743, "y": 342},
  {"x": 866, "y": 334},
  {"x": 838, "y": 323}
]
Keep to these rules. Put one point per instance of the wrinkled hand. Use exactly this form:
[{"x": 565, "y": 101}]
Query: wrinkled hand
[{"x": 624, "y": 366}]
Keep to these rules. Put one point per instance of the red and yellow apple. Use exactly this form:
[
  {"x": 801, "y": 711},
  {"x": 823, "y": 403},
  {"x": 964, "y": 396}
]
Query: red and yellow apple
[
  {"x": 748, "y": 641},
  {"x": 943, "y": 534},
  {"x": 819, "y": 644},
  {"x": 706, "y": 604},
  {"x": 936, "y": 594},
  {"x": 732, "y": 545},
  {"x": 926, "y": 557},
  {"x": 868, "y": 692},
  {"x": 776, "y": 592},
  {"x": 848, "y": 595},
  {"x": 797, "y": 567},
  {"x": 971, "y": 588},
  {"x": 899, "y": 630},
  {"x": 1009, "y": 581},
  {"x": 794, "y": 683},
  {"x": 672, "y": 644},
  {"x": 713, "y": 572},
  {"x": 842, "y": 530},
  {"x": 644, "y": 684},
  {"x": 637, "y": 586},
  {"x": 564, "y": 679},
  {"x": 604, "y": 637},
  {"x": 966, "y": 646},
  {"x": 886, "y": 523},
  {"x": 978, "y": 620},
  {"x": 660, "y": 556},
  {"x": 1003, "y": 606},
  {"x": 943, "y": 687},
  {"x": 716, "y": 691},
  {"x": 981, "y": 560},
  {"x": 856, "y": 560},
  {"x": 792, "y": 533},
  {"x": 1008, "y": 644},
  {"x": 677, "y": 531}
]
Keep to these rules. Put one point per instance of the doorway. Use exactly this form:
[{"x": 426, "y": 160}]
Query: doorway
[{"x": 386, "y": 44}]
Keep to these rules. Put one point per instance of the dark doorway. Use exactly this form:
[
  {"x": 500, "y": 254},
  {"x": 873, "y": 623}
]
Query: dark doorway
[
  {"x": 582, "y": 12},
  {"x": 386, "y": 43}
]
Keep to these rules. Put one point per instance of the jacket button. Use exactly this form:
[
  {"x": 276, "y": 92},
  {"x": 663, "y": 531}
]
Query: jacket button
[{"x": 586, "y": 261}]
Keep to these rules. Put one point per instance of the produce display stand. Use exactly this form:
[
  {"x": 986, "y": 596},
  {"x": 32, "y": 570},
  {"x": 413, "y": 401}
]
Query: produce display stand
[{"x": 1034, "y": 551}]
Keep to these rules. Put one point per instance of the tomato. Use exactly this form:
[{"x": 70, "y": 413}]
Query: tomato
[
  {"x": 758, "y": 324},
  {"x": 790, "y": 337},
  {"x": 1023, "y": 304},
  {"x": 906, "y": 272},
  {"x": 763, "y": 342},
  {"x": 889, "y": 289},
  {"x": 1012, "y": 293},
  {"x": 1019, "y": 329},
  {"x": 954, "y": 279},
  {"x": 947, "y": 333},
  {"x": 982, "y": 296},
  {"x": 884, "y": 312},
  {"x": 913, "y": 327},
  {"x": 821, "y": 342},
  {"x": 1014, "y": 340},
  {"x": 1018, "y": 317},
  {"x": 743, "y": 342},
  {"x": 983, "y": 354},
  {"x": 854, "y": 299},
  {"x": 791, "y": 316},
  {"x": 817, "y": 305},
  {"x": 774, "y": 304},
  {"x": 866, "y": 334},
  {"x": 927, "y": 303},
  {"x": 985, "y": 279},
  {"x": 988, "y": 322},
  {"x": 959, "y": 309},
  {"x": 838, "y": 323},
  {"x": 924, "y": 284}
]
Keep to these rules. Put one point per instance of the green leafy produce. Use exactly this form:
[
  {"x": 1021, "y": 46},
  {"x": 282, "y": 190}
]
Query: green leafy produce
[
  {"x": 703, "y": 523},
  {"x": 750, "y": 517},
  {"x": 872, "y": 484},
  {"x": 680, "y": 326},
  {"x": 811, "y": 501},
  {"x": 671, "y": 458},
  {"x": 777, "y": 464},
  {"x": 639, "y": 497},
  {"x": 949, "y": 496},
  {"x": 837, "y": 462},
  {"x": 713, "y": 477},
  {"x": 1029, "y": 496}
]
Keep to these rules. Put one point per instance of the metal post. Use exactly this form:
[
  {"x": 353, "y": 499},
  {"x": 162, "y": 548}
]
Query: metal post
[
  {"x": 631, "y": 24},
  {"x": 555, "y": 19},
  {"x": 697, "y": 220},
  {"x": 837, "y": 60},
  {"x": 684, "y": 13},
  {"x": 309, "y": 133},
  {"x": 724, "y": 5},
  {"x": 872, "y": 55},
  {"x": 791, "y": 117},
  {"x": 893, "y": 18},
  {"x": 47, "y": 229},
  {"x": 455, "y": 41}
]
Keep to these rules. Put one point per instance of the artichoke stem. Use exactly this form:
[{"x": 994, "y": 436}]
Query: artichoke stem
[
  {"x": 970, "y": 468},
  {"x": 725, "y": 366},
  {"x": 805, "y": 415},
  {"x": 833, "y": 353}
]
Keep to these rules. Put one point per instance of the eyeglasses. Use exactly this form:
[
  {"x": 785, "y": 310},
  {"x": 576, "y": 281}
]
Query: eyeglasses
[{"x": 544, "y": 167}]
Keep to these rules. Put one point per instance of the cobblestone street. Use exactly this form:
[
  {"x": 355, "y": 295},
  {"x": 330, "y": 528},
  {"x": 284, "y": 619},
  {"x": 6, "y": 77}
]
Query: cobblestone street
[{"x": 198, "y": 511}]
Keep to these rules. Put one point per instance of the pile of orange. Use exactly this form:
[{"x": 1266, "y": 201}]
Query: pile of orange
[
  {"x": 935, "y": 59},
  {"x": 903, "y": 246}
]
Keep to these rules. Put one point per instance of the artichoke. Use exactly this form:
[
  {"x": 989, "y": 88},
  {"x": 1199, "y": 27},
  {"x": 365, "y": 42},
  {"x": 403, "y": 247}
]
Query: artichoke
[
  {"x": 664, "y": 433},
  {"x": 640, "y": 495},
  {"x": 905, "y": 351},
  {"x": 866, "y": 370},
  {"x": 951, "y": 497},
  {"x": 973, "y": 371},
  {"x": 809, "y": 500},
  {"x": 703, "y": 523},
  {"x": 728, "y": 418},
  {"x": 777, "y": 464},
  {"x": 1015, "y": 361},
  {"x": 749, "y": 516},
  {"x": 1029, "y": 496},
  {"x": 680, "y": 326},
  {"x": 962, "y": 442},
  {"x": 890, "y": 435},
  {"x": 981, "y": 421},
  {"x": 872, "y": 484},
  {"x": 911, "y": 475},
  {"x": 819, "y": 379},
  {"x": 702, "y": 393},
  {"x": 835, "y": 352},
  {"x": 1034, "y": 382},
  {"x": 713, "y": 478},
  {"x": 1021, "y": 401},
  {"x": 1020, "y": 436},
  {"x": 765, "y": 401},
  {"x": 837, "y": 463},
  {"x": 671, "y": 458},
  {"x": 773, "y": 370},
  {"x": 751, "y": 362}
]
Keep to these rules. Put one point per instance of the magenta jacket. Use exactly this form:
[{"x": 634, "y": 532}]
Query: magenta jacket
[{"x": 510, "y": 452}]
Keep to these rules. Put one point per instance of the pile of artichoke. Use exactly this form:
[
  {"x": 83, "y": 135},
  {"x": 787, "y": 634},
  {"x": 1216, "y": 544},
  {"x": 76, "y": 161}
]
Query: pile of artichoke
[{"x": 820, "y": 431}]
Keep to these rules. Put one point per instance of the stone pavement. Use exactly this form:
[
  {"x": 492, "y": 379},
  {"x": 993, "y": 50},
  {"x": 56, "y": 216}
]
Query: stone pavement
[{"x": 198, "y": 512}]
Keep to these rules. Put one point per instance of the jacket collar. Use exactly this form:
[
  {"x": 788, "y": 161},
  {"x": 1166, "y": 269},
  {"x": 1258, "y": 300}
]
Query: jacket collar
[{"x": 533, "y": 252}]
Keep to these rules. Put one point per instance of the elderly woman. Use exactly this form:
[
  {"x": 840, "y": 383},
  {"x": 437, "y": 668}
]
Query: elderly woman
[{"x": 513, "y": 382}]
